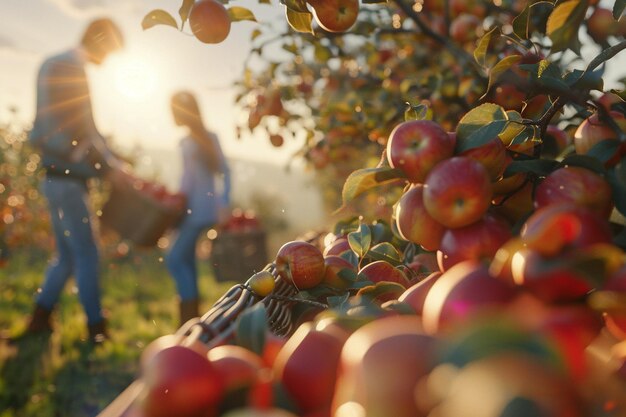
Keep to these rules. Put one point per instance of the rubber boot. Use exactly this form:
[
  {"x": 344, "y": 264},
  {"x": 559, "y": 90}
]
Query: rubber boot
[
  {"x": 188, "y": 310},
  {"x": 98, "y": 332},
  {"x": 40, "y": 320}
]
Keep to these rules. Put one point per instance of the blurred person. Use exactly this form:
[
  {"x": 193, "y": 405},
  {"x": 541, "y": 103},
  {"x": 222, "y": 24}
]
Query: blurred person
[
  {"x": 72, "y": 152},
  {"x": 203, "y": 165}
]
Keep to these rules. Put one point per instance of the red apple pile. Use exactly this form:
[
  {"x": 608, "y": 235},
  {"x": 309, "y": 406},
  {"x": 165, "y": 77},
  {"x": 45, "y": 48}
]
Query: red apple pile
[{"x": 241, "y": 221}]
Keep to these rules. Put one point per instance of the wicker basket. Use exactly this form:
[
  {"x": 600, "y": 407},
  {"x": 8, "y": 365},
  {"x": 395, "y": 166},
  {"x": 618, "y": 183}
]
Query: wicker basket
[
  {"x": 236, "y": 255},
  {"x": 217, "y": 326},
  {"x": 137, "y": 216}
]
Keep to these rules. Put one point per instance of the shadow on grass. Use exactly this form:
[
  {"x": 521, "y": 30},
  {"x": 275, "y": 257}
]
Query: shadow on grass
[{"x": 22, "y": 368}]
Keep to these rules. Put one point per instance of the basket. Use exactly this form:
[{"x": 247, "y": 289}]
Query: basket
[
  {"x": 236, "y": 255},
  {"x": 138, "y": 216},
  {"x": 217, "y": 326}
]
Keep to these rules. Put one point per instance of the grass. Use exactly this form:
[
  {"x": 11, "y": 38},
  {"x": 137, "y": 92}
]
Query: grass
[{"x": 60, "y": 375}]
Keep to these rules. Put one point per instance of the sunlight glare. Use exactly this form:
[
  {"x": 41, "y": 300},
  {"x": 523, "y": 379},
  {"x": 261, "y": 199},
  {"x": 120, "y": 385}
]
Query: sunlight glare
[{"x": 134, "y": 77}]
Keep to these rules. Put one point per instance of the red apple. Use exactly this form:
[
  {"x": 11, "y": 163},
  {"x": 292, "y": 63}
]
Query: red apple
[
  {"x": 337, "y": 247},
  {"x": 209, "y": 21},
  {"x": 593, "y": 130},
  {"x": 237, "y": 366},
  {"x": 416, "y": 146},
  {"x": 307, "y": 366},
  {"x": 179, "y": 381},
  {"x": 300, "y": 263},
  {"x": 578, "y": 186},
  {"x": 335, "y": 15},
  {"x": 379, "y": 271},
  {"x": 333, "y": 272},
  {"x": 554, "y": 227},
  {"x": 462, "y": 291},
  {"x": 413, "y": 221},
  {"x": 415, "y": 295},
  {"x": 381, "y": 363},
  {"x": 492, "y": 155},
  {"x": 479, "y": 241},
  {"x": 465, "y": 28},
  {"x": 601, "y": 24},
  {"x": 555, "y": 141},
  {"x": 457, "y": 192}
]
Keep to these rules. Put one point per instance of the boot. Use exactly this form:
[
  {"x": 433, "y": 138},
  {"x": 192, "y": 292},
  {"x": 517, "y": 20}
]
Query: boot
[
  {"x": 188, "y": 310},
  {"x": 98, "y": 332},
  {"x": 40, "y": 320}
]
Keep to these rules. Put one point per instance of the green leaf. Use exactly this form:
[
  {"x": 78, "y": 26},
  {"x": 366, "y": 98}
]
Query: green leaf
[
  {"x": 521, "y": 23},
  {"x": 584, "y": 80},
  {"x": 500, "y": 68},
  {"x": 584, "y": 161},
  {"x": 419, "y": 112},
  {"x": 604, "y": 150},
  {"x": 158, "y": 17},
  {"x": 251, "y": 328},
  {"x": 620, "y": 171},
  {"x": 184, "y": 10},
  {"x": 479, "y": 126},
  {"x": 480, "y": 53},
  {"x": 385, "y": 251},
  {"x": 360, "y": 240},
  {"x": 338, "y": 301},
  {"x": 322, "y": 54},
  {"x": 255, "y": 34},
  {"x": 618, "y": 8},
  {"x": 539, "y": 167},
  {"x": 238, "y": 14},
  {"x": 563, "y": 25},
  {"x": 299, "y": 21},
  {"x": 382, "y": 290},
  {"x": 296, "y": 5},
  {"x": 365, "y": 179}
]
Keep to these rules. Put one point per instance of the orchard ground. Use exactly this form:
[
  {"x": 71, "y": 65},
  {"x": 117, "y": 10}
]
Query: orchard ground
[{"x": 62, "y": 375}]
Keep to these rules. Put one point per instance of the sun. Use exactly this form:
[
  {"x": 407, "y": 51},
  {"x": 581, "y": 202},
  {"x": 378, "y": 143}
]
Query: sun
[{"x": 134, "y": 77}]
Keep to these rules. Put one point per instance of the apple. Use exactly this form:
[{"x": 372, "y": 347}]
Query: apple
[
  {"x": 465, "y": 28},
  {"x": 381, "y": 363},
  {"x": 209, "y": 21},
  {"x": 593, "y": 130},
  {"x": 333, "y": 272},
  {"x": 335, "y": 15},
  {"x": 237, "y": 366},
  {"x": 552, "y": 228},
  {"x": 307, "y": 366},
  {"x": 337, "y": 247},
  {"x": 492, "y": 155},
  {"x": 277, "y": 140},
  {"x": 462, "y": 291},
  {"x": 555, "y": 141},
  {"x": 615, "y": 319},
  {"x": 179, "y": 381},
  {"x": 479, "y": 241},
  {"x": 413, "y": 221},
  {"x": 300, "y": 263},
  {"x": 578, "y": 186},
  {"x": 416, "y": 146},
  {"x": 515, "y": 206},
  {"x": 551, "y": 279},
  {"x": 158, "y": 345},
  {"x": 508, "y": 96},
  {"x": 415, "y": 295},
  {"x": 258, "y": 412},
  {"x": 601, "y": 24},
  {"x": 457, "y": 192},
  {"x": 379, "y": 271}
]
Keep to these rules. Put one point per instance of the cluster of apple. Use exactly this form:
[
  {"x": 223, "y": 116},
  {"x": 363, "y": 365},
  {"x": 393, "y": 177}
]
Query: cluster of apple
[
  {"x": 445, "y": 339},
  {"x": 241, "y": 221},
  {"x": 158, "y": 193}
]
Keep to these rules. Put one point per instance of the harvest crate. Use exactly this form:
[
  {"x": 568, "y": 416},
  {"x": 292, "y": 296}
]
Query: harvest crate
[
  {"x": 138, "y": 216},
  {"x": 236, "y": 255}
]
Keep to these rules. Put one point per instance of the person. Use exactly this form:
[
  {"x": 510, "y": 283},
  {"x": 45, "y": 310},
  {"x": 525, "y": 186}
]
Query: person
[
  {"x": 72, "y": 151},
  {"x": 204, "y": 164}
]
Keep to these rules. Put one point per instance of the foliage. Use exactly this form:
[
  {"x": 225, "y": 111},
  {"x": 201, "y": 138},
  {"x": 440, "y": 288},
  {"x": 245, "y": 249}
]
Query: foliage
[{"x": 61, "y": 374}]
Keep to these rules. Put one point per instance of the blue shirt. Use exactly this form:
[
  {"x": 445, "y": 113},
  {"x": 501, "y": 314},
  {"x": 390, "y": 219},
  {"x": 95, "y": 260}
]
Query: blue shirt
[
  {"x": 200, "y": 185},
  {"x": 64, "y": 129}
]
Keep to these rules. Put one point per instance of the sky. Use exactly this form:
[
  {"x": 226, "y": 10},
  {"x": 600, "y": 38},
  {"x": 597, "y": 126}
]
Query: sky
[{"x": 131, "y": 90}]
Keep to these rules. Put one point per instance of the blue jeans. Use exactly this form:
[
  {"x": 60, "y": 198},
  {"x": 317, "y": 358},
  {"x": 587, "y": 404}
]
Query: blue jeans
[
  {"x": 181, "y": 258},
  {"x": 77, "y": 252}
]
